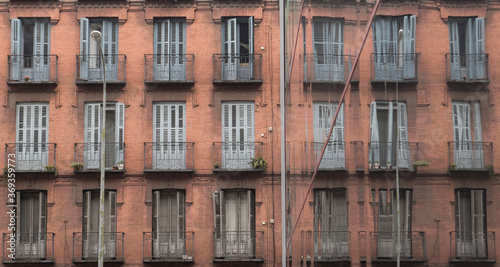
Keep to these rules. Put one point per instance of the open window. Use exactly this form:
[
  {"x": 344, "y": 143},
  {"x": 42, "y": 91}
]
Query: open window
[
  {"x": 468, "y": 58},
  {"x": 334, "y": 157},
  {"x": 237, "y": 48},
  {"x": 31, "y": 225},
  {"x": 169, "y": 235},
  {"x": 470, "y": 223},
  {"x": 468, "y": 149}
]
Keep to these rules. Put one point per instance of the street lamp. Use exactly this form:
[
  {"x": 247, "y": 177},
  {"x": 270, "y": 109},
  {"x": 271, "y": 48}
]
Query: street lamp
[
  {"x": 97, "y": 36},
  {"x": 398, "y": 212}
]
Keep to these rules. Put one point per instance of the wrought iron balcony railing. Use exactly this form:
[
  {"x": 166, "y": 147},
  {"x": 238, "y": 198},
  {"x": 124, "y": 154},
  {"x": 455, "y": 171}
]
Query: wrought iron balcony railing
[
  {"x": 86, "y": 247},
  {"x": 26, "y": 69},
  {"x": 325, "y": 246},
  {"x": 238, "y": 246},
  {"x": 28, "y": 248},
  {"x": 89, "y": 154},
  {"x": 32, "y": 157},
  {"x": 334, "y": 157},
  {"x": 472, "y": 246},
  {"x": 470, "y": 155},
  {"x": 237, "y": 68},
  {"x": 328, "y": 68},
  {"x": 169, "y": 68},
  {"x": 168, "y": 247},
  {"x": 382, "y": 155},
  {"x": 467, "y": 67},
  {"x": 169, "y": 156},
  {"x": 383, "y": 246},
  {"x": 394, "y": 67},
  {"x": 236, "y": 155},
  {"x": 89, "y": 68}
]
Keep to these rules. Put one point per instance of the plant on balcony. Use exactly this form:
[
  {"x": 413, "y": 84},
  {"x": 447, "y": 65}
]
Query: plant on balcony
[
  {"x": 370, "y": 164},
  {"x": 26, "y": 78},
  {"x": 258, "y": 163},
  {"x": 51, "y": 168},
  {"x": 389, "y": 166},
  {"x": 77, "y": 165},
  {"x": 377, "y": 166},
  {"x": 452, "y": 167},
  {"x": 491, "y": 171},
  {"x": 420, "y": 163},
  {"x": 120, "y": 164},
  {"x": 216, "y": 165}
]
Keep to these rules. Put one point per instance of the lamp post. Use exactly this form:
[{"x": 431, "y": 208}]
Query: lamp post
[
  {"x": 97, "y": 36},
  {"x": 398, "y": 211}
]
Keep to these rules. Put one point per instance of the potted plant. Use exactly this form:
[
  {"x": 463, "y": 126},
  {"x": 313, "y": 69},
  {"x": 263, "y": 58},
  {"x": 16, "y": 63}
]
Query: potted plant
[
  {"x": 452, "y": 167},
  {"x": 216, "y": 165},
  {"x": 120, "y": 164},
  {"x": 258, "y": 163},
  {"x": 51, "y": 168},
  {"x": 77, "y": 166},
  {"x": 389, "y": 166},
  {"x": 26, "y": 78},
  {"x": 377, "y": 166},
  {"x": 420, "y": 163}
]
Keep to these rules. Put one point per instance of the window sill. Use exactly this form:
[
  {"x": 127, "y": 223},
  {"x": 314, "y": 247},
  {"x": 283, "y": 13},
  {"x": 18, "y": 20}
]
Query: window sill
[
  {"x": 167, "y": 170},
  {"x": 340, "y": 259},
  {"x": 29, "y": 261},
  {"x": 238, "y": 170},
  {"x": 27, "y": 83},
  {"x": 249, "y": 81},
  {"x": 472, "y": 260},
  {"x": 169, "y": 82},
  {"x": 238, "y": 260},
  {"x": 402, "y": 260},
  {"x": 98, "y": 170},
  {"x": 168, "y": 260}
]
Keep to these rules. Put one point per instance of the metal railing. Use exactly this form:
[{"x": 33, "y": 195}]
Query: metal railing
[
  {"x": 89, "y": 68},
  {"x": 89, "y": 154},
  {"x": 383, "y": 246},
  {"x": 382, "y": 155},
  {"x": 325, "y": 245},
  {"x": 32, "y": 68},
  {"x": 239, "y": 245},
  {"x": 168, "y": 68},
  {"x": 470, "y": 155},
  {"x": 236, "y": 155},
  {"x": 32, "y": 157},
  {"x": 237, "y": 68},
  {"x": 28, "y": 247},
  {"x": 467, "y": 67},
  {"x": 334, "y": 157},
  {"x": 328, "y": 68},
  {"x": 168, "y": 246},
  {"x": 472, "y": 246},
  {"x": 392, "y": 67},
  {"x": 86, "y": 246},
  {"x": 168, "y": 156}
]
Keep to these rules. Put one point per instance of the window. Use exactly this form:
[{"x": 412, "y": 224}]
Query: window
[
  {"x": 234, "y": 215},
  {"x": 330, "y": 224},
  {"x": 32, "y": 135},
  {"x": 237, "y": 135},
  {"x": 470, "y": 223},
  {"x": 334, "y": 157},
  {"x": 115, "y": 120},
  {"x": 468, "y": 150},
  {"x": 169, "y": 50},
  {"x": 30, "y": 49},
  {"x": 237, "y": 48},
  {"x": 31, "y": 225},
  {"x": 91, "y": 224},
  {"x": 169, "y": 224},
  {"x": 328, "y": 45},
  {"x": 169, "y": 134},
  {"x": 467, "y": 48},
  {"x": 90, "y": 62},
  {"x": 394, "y": 55},
  {"x": 387, "y": 224},
  {"x": 387, "y": 120}
]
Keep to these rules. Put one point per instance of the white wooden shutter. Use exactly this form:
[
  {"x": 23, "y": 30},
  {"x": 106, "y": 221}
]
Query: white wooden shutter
[
  {"x": 16, "y": 48},
  {"x": 32, "y": 136},
  {"x": 87, "y": 223},
  {"x": 155, "y": 220},
  {"x": 181, "y": 213},
  {"x": 409, "y": 28},
  {"x": 178, "y": 68},
  {"x": 237, "y": 134},
  {"x": 471, "y": 49},
  {"x": 169, "y": 127},
  {"x": 374, "y": 134},
  {"x": 162, "y": 50},
  {"x": 111, "y": 225},
  {"x": 119, "y": 130},
  {"x": 403, "y": 145},
  {"x": 454, "y": 50},
  {"x": 385, "y": 237},
  {"x": 480, "y": 51},
  {"x": 478, "y": 223},
  {"x": 219, "y": 233},
  {"x": 229, "y": 49},
  {"x": 250, "y": 47},
  {"x": 92, "y": 135},
  {"x": 462, "y": 134},
  {"x": 84, "y": 48},
  {"x": 477, "y": 146}
]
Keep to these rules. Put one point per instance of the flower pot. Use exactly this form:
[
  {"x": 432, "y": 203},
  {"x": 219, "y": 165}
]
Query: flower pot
[{"x": 120, "y": 166}]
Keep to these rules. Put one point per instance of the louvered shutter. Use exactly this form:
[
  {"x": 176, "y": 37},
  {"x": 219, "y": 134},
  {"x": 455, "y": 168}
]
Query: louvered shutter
[
  {"x": 169, "y": 135},
  {"x": 470, "y": 58},
  {"x": 478, "y": 223},
  {"x": 374, "y": 134},
  {"x": 408, "y": 55},
  {"x": 84, "y": 48},
  {"x": 155, "y": 220},
  {"x": 403, "y": 145},
  {"x": 385, "y": 238},
  {"x": 42, "y": 235},
  {"x": 219, "y": 233},
  {"x": 249, "y": 231},
  {"x": 16, "y": 49},
  {"x": 455, "y": 51},
  {"x": 111, "y": 226},
  {"x": 405, "y": 205},
  {"x": 161, "y": 50},
  {"x": 41, "y": 59},
  {"x": 181, "y": 217},
  {"x": 237, "y": 135},
  {"x": 92, "y": 150},
  {"x": 462, "y": 135},
  {"x": 229, "y": 49},
  {"x": 477, "y": 146},
  {"x": 335, "y": 154},
  {"x": 110, "y": 48},
  {"x": 87, "y": 221},
  {"x": 32, "y": 136},
  {"x": 119, "y": 130},
  {"x": 480, "y": 51},
  {"x": 178, "y": 67},
  {"x": 250, "y": 47},
  {"x": 385, "y": 47}
]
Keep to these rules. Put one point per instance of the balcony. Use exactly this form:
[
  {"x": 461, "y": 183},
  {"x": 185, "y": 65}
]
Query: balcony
[
  {"x": 30, "y": 69},
  {"x": 394, "y": 67},
  {"x": 328, "y": 68},
  {"x": 327, "y": 246},
  {"x": 467, "y": 68},
  {"x": 169, "y": 68},
  {"x": 383, "y": 246},
  {"x": 32, "y": 157},
  {"x": 86, "y": 247},
  {"x": 89, "y": 69},
  {"x": 167, "y": 247},
  {"x": 239, "y": 246},
  {"x": 169, "y": 157},
  {"x": 89, "y": 154},
  {"x": 237, "y": 68},
  {"x": 236, "y": 156},
  {"x": 334, "y": 157},
  {"x": 382, "y": 155},
  {"x": 472, "y": 247},
  {"x": 30, "y": 248},
  {"x": 470, "y": 156}
]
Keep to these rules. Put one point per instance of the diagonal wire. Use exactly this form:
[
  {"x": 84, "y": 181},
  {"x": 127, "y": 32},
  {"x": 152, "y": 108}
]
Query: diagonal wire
[{"x": 348, "y": 82}]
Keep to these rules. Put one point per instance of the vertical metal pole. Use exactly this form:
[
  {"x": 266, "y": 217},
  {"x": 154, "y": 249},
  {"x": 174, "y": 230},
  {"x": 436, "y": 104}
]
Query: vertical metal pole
[
  {"x": 398, "y": 211},
  {"x": 283, "y": 132}
]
